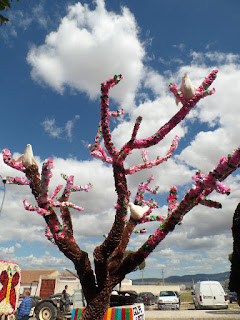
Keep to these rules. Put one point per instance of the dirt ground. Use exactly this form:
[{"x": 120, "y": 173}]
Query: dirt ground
[
  {"x": 190, "y": 306},
  {"x": 188, "y": 312}
]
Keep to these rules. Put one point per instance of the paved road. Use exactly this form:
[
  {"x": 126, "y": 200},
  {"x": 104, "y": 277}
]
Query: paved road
[{"x": 192, "y": 314}]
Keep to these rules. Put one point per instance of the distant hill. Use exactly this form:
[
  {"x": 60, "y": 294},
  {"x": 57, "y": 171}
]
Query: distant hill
[{"x": 187, "y": 279}]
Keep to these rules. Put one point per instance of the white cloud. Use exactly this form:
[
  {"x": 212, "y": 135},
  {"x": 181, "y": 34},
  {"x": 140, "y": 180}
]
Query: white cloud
[
  {"x": 10, "y": 250},
  {"x": 180, "y": 46},
  {"x": 87, "y": 48},
  {"x": 20, "y": 21},
  {"x": 220, "y": 112},
  {"x": 50, "y": 127},
  {"x": 54, "y": 131},
  {"x": 205, "y": 236}
]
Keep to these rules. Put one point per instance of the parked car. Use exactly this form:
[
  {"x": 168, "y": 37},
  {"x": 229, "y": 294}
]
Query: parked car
[
  {"x": 168, "y": 300},
  {"x": 232, "y": 296},
  {"x": 147, "y": 298},
  {"x": 209, "y": 295},
  {"x": 122, "y": 298},
  {"x": 178, "y": 295}
]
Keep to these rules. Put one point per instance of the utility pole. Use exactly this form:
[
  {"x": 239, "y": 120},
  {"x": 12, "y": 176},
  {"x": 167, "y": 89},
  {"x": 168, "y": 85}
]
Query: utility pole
[{"x": 163, "y": 276}]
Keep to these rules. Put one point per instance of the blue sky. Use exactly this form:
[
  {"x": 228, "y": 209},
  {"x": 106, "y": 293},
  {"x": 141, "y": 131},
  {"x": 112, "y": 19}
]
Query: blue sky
[{"x": 53, "y": 59}]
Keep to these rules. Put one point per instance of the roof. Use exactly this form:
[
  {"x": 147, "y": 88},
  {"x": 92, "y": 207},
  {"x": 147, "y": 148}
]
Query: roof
[
  {"x": 68, "y": 275},
  {"x": 29, "y": 276}
]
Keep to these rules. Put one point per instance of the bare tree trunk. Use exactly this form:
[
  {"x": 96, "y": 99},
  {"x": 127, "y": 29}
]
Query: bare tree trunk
[{"x": 96, "y": 309}]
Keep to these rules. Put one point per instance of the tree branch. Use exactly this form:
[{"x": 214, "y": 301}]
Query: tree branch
[
  {"x": 188, "y": 104},
  {"x": 226, "y": 166}
]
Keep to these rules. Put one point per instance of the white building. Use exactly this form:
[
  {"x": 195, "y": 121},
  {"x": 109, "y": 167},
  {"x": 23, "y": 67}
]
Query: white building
[
  {"x": 126, "y": 285},
  {"x": 44, "y": 283}
]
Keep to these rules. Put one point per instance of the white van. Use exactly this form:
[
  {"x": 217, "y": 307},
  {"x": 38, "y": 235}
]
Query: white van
[{"x": 209, "y": 295}]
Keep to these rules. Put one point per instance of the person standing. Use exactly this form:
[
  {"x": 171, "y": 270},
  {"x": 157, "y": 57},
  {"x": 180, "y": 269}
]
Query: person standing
[
  {"x": 64, "y": 293},
  {"x": 25, "y": 307},
  {"x": 65, "y": 300}
]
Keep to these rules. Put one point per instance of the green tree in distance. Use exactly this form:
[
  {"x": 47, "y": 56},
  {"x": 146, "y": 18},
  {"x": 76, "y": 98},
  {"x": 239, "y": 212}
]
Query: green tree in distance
[{"x": 4, "y": 5}]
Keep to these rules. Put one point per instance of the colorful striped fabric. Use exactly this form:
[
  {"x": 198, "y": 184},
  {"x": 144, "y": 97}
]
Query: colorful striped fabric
[{"x": 111, "y": 314}]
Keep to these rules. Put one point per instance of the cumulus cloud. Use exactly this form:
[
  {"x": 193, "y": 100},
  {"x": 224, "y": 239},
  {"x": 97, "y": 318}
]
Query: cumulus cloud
[
  {"x": 206, "y": 233},
  {"x": 20, "y": 21},
  {"x": 88, "y": 46},
  {"x": 54, "y": 131},
  {"x": 218, "y": 112},
  {"x": 31, "y": 261}
]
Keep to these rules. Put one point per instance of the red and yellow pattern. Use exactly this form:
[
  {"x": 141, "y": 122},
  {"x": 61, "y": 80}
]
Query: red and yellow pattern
[{"x": 10, "y": 276}]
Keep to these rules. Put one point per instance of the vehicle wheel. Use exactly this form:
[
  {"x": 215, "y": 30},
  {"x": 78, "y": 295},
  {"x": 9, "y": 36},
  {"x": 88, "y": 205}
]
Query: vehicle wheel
[{"x": 46, "y": 311}]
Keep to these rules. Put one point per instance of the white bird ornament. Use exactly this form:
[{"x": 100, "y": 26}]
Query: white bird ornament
[
  {"x": 187, "y": 88},
  {"x": 136, "y": 211},
  {"x": 27, "y": 158}
]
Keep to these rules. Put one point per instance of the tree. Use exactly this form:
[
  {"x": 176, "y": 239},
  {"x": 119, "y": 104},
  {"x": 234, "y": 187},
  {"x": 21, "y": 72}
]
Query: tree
[
  {"x": 230, "y": 257},
  {"x": 110, "y": 265},
  {"x": 234, "y": 281},
  {"x": 4, "y": 5}
]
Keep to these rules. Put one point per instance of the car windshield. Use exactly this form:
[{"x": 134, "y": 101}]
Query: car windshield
[
  {"x": 167, "y": 294},
  {"x": 145, "y": 294}
]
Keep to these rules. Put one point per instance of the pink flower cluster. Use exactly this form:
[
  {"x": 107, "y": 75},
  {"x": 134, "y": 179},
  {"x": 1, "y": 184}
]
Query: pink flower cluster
[
  {"x": 96, "y": 149},
  {"x": 151, "y": 203},
  {"x": 133, "y": 143},
  {"x": 46, "y": 204},
  {"x": 140, "y": 231},
  {"x": 151, "y": 218},
  {"x": 195, "y": 195},
  {"x": 16, "y": 180},
  {"x": 142, "y": 188},
  {"x": 150, "y": 164},
  {"x": 213, "y": 182},
  {"x": 45, "y": 179},
  {"x": 49, "y": 235},
  {"x": 70, "y": 188},
  {"x": 105, "y": 114},
  {"x": 7, "y": 158},
  {"x": 47, "y": 210},
  {"x": 172, "y": 199}
]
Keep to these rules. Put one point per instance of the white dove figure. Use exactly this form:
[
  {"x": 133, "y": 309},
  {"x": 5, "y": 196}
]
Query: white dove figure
[
  {"x": 27, "y": 158},
  {"x": 187, "y": 88},
  {"x": 136, "y": 211}
]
